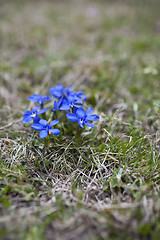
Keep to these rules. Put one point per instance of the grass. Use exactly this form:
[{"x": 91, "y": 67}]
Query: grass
[{"x": 103, "y": 184}]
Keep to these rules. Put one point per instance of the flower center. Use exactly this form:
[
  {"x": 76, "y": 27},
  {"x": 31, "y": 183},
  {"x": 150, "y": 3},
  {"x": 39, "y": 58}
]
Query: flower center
[{"x": 33, "y": 115}]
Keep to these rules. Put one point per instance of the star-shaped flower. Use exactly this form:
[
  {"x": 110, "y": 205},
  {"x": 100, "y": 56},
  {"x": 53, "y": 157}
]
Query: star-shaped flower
[
  {"x": 29, "y": 115},
  {"x": 71, "y": 102},
  {"x": 82, "y": 117},
  {"x": 45, "y": 128},
  {"x": 40, "y": 99},
  {"x": 59, "y": 91},
  {"x": 56, "y": 105}
]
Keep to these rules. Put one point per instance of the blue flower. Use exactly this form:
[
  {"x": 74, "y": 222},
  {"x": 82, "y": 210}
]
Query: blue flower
[
  {"x": 67, "y": 90},
  {"x": 59, "y": 91},
  {"x": 79, "y": 94},
  {"x": 82, "y": 117},
  {"x": 29, "y": 115},
  {"x": 45, "y": 128},
  {"x": 67, "y": 98},
  {"x": 57, "y": 105},
  {"x": 71, "y": 102},
  {"x": 39, "y": 99}
]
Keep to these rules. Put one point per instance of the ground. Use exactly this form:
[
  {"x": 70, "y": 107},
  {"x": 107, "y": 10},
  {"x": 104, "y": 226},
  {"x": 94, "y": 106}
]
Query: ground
[{"x": 103, "y": 184}]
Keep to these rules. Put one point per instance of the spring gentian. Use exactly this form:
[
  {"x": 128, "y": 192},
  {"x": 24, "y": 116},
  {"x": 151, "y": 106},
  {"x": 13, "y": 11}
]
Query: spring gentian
[
  {"x": 29, "y": 115},
  {"x": 79, "y": 94},
  {"x": 82, "y": 117},
  {"x": 45, "y": 128},
  {"x": 56, "y": 105},
  {"x": 40, "y": 99},
  {"x": 70, "y": 102},
  {"x": 59, "y": 91}
]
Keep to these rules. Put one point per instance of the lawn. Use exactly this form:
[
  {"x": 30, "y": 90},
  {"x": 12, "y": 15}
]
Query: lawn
[{"x": 85, "y": 184}]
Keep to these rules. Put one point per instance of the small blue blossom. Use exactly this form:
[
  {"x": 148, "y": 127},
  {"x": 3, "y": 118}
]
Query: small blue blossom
[
  {"x": 29, "y": 115},
  {"x": 59, "y": 91},
  {"x": 40, "y": 99},
  {"x": 45, "y": 128},
  {"x": 82, "y": 117},
  {"x": 71, "y": 102},
  {"x": 67, "y": 90},
  {"x": 57, "y": 105},
  {"x": 79, "y": 94}
]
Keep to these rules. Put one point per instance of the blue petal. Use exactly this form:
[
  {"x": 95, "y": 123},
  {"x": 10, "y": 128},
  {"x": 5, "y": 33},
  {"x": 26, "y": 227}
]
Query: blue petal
[
  {"x": 78, "y": 100},
  {"x": 71, "y": 93},
  {"x": 77, "y": 106},
  {"x": 80, "y": 124},
  {"x": 80, "y": 112},
  {"x": 71, "y": 99},
  {"x": 36, "y": 120},
  {"x": 55, "y": 131},
  {"x": 83, "y": 96},
  {"x": 55, "y": 104},
  {"x": 43, "y": 122},
  {"x": 27, "y": 119},
  {"x": 72, "y": 117},
  {"x": 67, "y": 89},
  {"x": 47, "y": 98},
  {"x": 79, "y": 93},
  {"x": 63, "y": 100},
  {"x": 34, "y": 98},
  {"x": 89, "y": 111},
  {"x": 92, "y": 117},
  {"x": 65, "y": 107},
  {"x": 54, "y": 122},
  {"x": 89, "y": 124},
  {"x": 59, "y": 87},
  {"x": 51, "y": 90},
  {"x": 60, "y": 101},
  {"x": 57, "y": 94},
  {"x": 35, "y": 108},
  {"x": 27, "y": 113},
  {"x": 43, "y": 134},
  {"x": 42, "y": 111},
  {"x": 37, "y": 127}
]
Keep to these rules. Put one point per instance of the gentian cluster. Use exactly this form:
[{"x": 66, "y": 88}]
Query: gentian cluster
[{"x": 63, "y": 100}]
